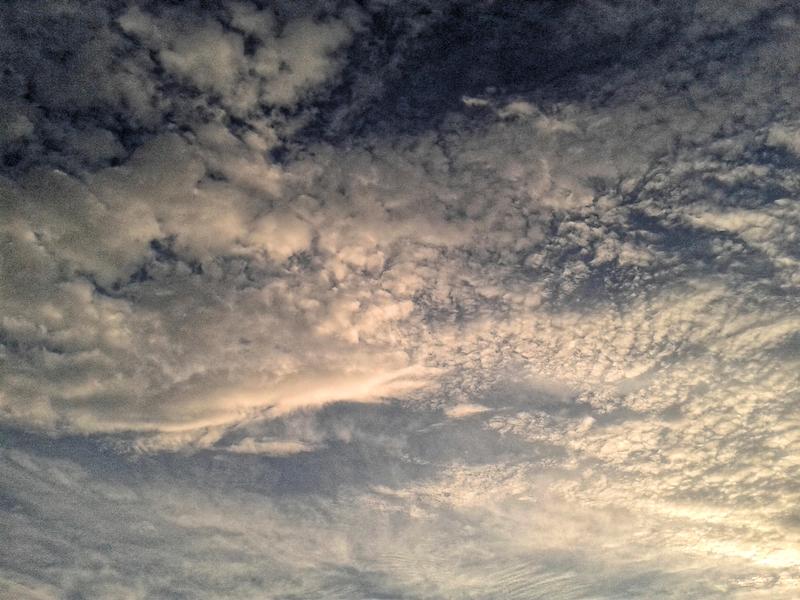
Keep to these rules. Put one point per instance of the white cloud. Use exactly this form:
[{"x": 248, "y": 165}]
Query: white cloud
[
  {"x": 599, "y": 293},
  {"x": 459, "y": 411},
  {"x": 270, "y": 447},
  {"x": 287, "y": 64}
]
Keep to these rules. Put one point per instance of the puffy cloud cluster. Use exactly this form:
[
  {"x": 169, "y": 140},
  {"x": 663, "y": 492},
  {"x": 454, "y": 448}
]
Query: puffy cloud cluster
[
  {"x": 567, "y": 313},
  {"x": 101, "y": 78}
]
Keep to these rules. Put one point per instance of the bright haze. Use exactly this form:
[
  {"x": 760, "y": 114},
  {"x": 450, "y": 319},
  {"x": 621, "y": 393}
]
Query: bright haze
[{"x": 399, "y": 299}]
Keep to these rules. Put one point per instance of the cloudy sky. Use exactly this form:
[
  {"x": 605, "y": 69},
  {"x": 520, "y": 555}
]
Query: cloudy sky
[{"x": 399, "y": 299}]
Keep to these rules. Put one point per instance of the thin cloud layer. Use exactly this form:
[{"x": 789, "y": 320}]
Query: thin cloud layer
[{"x": 294, "y": 302}]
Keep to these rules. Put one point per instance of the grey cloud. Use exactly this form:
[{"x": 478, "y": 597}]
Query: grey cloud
[
  {"x": 149, "y": 540},
  {"x": 531, "y": 301},
  {"x": 102, "y": 78}
]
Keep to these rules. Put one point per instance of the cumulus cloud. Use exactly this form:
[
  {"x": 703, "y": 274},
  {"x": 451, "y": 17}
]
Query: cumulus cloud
[
  {"x": 101, "y": 79},
  {"x": 551, "y": 324}
]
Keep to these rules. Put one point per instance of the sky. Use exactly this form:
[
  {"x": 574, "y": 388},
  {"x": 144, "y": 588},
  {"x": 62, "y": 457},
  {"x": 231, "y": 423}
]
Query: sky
[{"x": 399, "y": 299}]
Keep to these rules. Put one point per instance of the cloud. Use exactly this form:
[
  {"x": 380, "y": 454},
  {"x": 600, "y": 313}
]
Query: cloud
[
  {"x": 270, "y": 447},
  {"x": 101, "y": 80},
  {"x": 137, "y": 538},
  {"x": 269, "y": 284},
  {"x": 459, "y": 411}
]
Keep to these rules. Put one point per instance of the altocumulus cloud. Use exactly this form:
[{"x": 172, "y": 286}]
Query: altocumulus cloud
[{"x": 400, "y": 300}]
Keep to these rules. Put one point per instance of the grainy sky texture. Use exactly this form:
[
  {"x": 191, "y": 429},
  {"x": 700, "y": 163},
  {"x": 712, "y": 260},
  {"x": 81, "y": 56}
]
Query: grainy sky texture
[{"x": 387, "y": 299}]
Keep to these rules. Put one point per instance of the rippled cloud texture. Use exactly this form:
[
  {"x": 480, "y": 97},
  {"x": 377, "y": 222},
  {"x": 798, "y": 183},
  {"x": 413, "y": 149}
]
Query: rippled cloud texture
[{"x": 400, "y": 299}]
